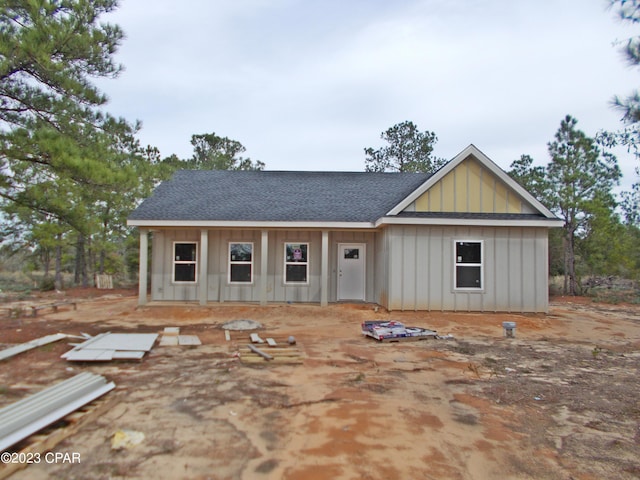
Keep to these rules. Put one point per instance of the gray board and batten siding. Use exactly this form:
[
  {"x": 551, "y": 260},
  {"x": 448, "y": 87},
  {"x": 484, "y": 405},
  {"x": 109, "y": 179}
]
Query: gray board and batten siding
[
  {"x": 219, "y": 289},
  {"x": 420, "y": 264}
]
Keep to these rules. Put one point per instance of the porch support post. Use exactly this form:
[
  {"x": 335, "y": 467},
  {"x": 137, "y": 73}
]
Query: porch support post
[
  {"x": 142, "y": 269},
  {"x": 324, "y": 270},
  {"x": 204, "y": 262},
  {"x": 264, "y": 262}
]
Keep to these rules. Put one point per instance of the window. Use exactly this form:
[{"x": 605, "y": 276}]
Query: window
[
  {"x": 184, "y": 262},
  {"x": 351, "y": 253},
  {"x": 296, "y": 262},
  {"x": 240, "y": 262},
  {"x": 468, "y": 271}
]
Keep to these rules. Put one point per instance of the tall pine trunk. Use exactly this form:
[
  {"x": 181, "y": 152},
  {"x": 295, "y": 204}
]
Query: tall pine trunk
[
  {"x": 570, "y": 281},
  {"x": 58, "y": 283},
  {"x": 81, "y": 262}
]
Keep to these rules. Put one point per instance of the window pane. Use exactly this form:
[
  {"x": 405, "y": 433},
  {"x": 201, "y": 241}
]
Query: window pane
[
  {"x": 241, "y": 272},
  {"x": 185, "y": 272},
  {"x": 468, "y": 277},
  {"x": 296, "y": 273},
  {"x": 351, "y": 253},
  {"x": 296, "y": 252},
  {"x": 185, "y": 252},
  {"x": 468, "y": 252},
  {"x": 240, "y": 252}
]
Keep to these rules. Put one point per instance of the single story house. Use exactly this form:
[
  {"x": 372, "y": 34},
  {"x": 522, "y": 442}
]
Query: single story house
[{"x": 465, "y": 238}]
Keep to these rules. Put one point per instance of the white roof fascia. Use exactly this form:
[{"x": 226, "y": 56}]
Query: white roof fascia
[
  {"x": 480, "y": 222},
  {"x": 487, "y": 162},
  {"x": 247, "y": 224}
]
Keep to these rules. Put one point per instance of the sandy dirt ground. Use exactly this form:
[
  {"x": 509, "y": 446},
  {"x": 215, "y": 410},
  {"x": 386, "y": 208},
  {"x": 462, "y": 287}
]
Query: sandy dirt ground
[{"x": 561, "y": 400}]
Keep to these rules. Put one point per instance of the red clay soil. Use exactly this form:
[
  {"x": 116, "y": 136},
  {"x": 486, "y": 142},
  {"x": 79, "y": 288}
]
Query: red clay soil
[{"x": 558, "y": 401}]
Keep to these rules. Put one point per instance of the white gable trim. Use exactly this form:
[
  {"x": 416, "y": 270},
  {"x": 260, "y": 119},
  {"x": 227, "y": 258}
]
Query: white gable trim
[
  {"x": 486, "y": 162},
  {"x": 471, "y": 222}
]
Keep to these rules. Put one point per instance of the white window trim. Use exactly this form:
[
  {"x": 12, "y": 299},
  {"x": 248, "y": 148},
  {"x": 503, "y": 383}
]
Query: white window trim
[
  {"x": 456, "y": 264},
  {"x": 235, "y": 262},
  {"x": 307, "y": 263},
  {"x": 180, "y": 262}
]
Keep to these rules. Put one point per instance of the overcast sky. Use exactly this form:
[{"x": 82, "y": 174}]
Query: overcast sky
[{"x": 307, "y": 85}]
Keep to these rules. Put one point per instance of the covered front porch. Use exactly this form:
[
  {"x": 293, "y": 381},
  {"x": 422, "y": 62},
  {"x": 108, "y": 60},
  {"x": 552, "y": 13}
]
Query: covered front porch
[{"x": 258, "y": 266}]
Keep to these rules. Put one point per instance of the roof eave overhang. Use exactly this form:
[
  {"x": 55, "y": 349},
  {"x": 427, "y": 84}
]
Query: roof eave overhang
[
  {"x": 547, "y": 223},
  {"x": 247, "y": 224},
  {"x": 473, "y": 222}
]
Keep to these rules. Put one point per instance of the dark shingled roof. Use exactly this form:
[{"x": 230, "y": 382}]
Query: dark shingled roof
[{"x": 226, "y": 195}]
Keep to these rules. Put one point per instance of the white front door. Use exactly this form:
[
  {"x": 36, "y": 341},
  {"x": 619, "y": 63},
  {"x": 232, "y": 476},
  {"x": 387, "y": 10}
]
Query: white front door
[{"x": 351, "y": 271}]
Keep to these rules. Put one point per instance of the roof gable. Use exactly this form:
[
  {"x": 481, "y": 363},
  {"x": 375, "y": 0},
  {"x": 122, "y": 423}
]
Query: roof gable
[{"x": 471, "y": 183}]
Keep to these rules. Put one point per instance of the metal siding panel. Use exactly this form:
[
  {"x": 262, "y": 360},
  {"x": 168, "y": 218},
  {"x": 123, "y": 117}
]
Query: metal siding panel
[
  {"x": 408, "y": 268},
  {"x": 473, "y": 186},
  {"x": 487, "y": 187},
  {"x": 448, "y": 193},
  {"x": 381, "y": 273},
  {"x": 487, "y": 300},
  {"x": 422, "y": 202},
  {"x": 27, "y": 416},
  {"x": 448, "y": 296},
  {"x": 529, "y": 271},
  {"x": 515, "y": 270},
  {"x": 395, "y": 268},
  {"x": 275, "y": 268},
  {"x": 157, "y": 265},
  {"x": 502, "y": 270},
  {"x": 422, "y": 268},
  {"x": 461, "y": 188},
  {"x": 213, "y": 293},
  {"x": 312, "y": 291},
  {"x": 435, "y": 280},
  {"x": 435, "y": 198},
  {"x": 500, "y": 197},
  {"x": 542, "y": 270}
]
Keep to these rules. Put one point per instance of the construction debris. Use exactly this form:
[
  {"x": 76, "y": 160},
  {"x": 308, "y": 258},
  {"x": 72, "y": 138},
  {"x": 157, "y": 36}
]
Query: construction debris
[
  {"x": 189, "y": 340},
  {"x": 242, "y": 325},
  {"x": 266, "y": 356},
  {"x": 255, "y": 338},
  {"x": 279, "y": 352},
  {"x": 125, "y": 439},
  {"x": 392, "y": 331},
  {"x": 112, "y": 346},
  {"x": 23, "y": 347},
  {"x": 171, "y": 337},
  {"x": 31, "y": 414},
  {"x": 53, "y": 306}
]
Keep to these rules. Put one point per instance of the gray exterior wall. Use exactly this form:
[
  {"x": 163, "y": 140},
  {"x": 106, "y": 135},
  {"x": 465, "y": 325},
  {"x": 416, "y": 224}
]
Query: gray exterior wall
[
  {"x": 218, "y": 287},
  {"x": 419, "y": 262},
  {"x": 407, "y": 267}
]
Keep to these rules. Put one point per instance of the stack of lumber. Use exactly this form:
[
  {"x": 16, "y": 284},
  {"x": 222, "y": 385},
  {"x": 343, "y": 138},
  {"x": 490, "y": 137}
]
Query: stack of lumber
[{"x": 253, "y": 349}]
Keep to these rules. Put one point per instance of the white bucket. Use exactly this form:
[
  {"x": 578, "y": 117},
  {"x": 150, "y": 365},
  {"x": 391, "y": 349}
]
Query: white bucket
[{"x": 509, "y": 329}]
